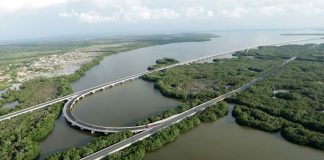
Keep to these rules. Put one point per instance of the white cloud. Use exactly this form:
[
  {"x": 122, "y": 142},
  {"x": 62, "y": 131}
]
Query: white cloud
[
  {"x": 237, "y": 12},
  {"x": 66, "y": 15},
  {"x": 16, "y": 5},
  {"x": 100, "y": 11},
  {"x": 229, "y": 8},
  {"x": 133, "y": 15},
  {"x": 210, "y": 13},
  {"x": 88, "y": 17},
  {"x": 94, "y": 17}
]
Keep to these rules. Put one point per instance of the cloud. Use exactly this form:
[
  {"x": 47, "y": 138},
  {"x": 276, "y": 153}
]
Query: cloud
[
  {"x": 142, "y": 13},
  {"x": 133, "y": 15},
  {"x": 88, "y": 17},
  {"x": 16, "y": 5},
  {"x": 196, "y": 11},
  {"x": 136, "y": 12},
  {"x": 108, "y": 11},
  {"x": 241, "y": 8},
  {"x": 237, "y": 12}
]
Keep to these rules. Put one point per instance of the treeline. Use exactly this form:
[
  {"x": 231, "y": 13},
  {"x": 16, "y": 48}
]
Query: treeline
[
  {"x": 186, "y": 37},
  {"x": 302, "y": 136},
  {"x": 307, "y": 52},
  {"x": 291, "y": 131},
  {"x": 97, "y": 144},
  {"x": 162, "y": 63}
]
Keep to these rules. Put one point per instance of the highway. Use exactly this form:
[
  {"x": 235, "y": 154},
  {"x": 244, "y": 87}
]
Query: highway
[
  {"x": 175, "y": 119},
  {"x": 101, "y": 87}
]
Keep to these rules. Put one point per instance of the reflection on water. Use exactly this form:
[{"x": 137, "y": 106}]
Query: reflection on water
[{"x": 63, "y": 136}]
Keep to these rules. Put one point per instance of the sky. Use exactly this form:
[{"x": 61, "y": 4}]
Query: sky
[{"x": 20, "y": 19}]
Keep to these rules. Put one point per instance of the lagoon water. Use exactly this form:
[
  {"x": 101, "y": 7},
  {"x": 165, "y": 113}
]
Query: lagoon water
[
  {"x": 126, "y": 104},
  {"x": 226, "y": 140}
]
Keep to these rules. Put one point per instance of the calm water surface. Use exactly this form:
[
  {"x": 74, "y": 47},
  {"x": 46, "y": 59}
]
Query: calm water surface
[
  {"x": 128, "y": 103},
  {"x": 225, "y": 140},
  {"x": 123, "y": 105}
]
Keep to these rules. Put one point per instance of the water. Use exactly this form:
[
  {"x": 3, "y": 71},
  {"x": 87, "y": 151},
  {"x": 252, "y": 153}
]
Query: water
[
  {"x": 126, "y": 104},
  {"x": 10, "y": 105},
  {"x": 123, "y": 105},
  {"x": 226, "y": 140},
  {"x": 63, "y": 136}
]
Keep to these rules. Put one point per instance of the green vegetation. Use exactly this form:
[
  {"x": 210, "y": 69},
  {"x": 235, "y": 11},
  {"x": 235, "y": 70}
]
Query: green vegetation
[
  {"x": 162, "y": 63},
  {"x": 297, "y": 112},
  {"x": 204, "y": 81},
  {"x": 167, "y": 38},
  {"x": 97, "y": 144},
  {"x": 307, "y": 52},
  {"x": 19, "y": 136},
  {"x": 4, "y": 86}
]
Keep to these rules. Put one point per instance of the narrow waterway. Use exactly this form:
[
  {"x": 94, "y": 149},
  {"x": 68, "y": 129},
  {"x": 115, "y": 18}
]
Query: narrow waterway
[
  {"x": 130, "y": 102},
  {"x": 226, "y": 140}
]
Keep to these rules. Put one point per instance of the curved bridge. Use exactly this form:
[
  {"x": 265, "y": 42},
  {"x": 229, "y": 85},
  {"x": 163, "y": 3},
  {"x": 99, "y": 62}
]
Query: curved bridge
[{"x": 75, "y": 122}]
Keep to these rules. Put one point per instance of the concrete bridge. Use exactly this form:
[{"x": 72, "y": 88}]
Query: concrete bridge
[
  {"x": 81, "y": 94},
  {"x": 67, "y": 110},
  {"x": 75, "y": 122},
  {"x": 177, "y": 118}
]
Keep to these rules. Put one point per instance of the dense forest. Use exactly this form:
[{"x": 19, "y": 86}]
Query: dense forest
[
  {"x": 19, "y": 137},
  {"x": 204, "y": 81},
  {"x": 162, "y": 62},
  {"x": 291, "y": 101}
]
